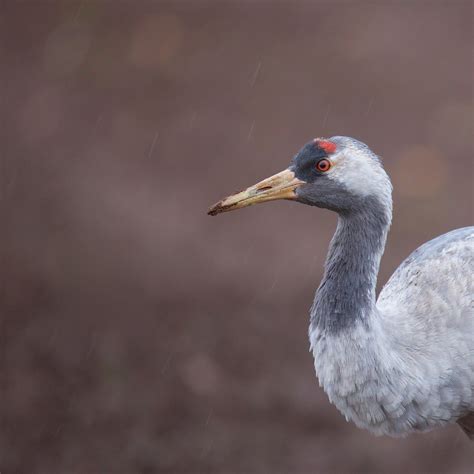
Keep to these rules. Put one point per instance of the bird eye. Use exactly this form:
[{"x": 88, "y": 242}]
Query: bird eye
[{"x": 323, "y": 165}]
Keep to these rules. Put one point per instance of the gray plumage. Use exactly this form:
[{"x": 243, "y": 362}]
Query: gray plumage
[
  {"x": 401, "y": 363},
  {"x": 405, "y": 362}
]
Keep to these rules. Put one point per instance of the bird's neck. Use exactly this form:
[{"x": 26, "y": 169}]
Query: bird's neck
[{"x": 346, "y": 294}]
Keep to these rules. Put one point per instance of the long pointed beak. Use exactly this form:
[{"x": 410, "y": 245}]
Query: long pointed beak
[{"x": 279, "y": 186}]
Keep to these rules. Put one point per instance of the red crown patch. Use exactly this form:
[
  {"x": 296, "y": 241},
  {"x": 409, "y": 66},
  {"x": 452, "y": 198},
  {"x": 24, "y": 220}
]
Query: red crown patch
[{"x": 326, "y": 145}]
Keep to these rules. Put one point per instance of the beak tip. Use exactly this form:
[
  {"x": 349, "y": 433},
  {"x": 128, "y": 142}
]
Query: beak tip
[{"x": 215, "y": 209}]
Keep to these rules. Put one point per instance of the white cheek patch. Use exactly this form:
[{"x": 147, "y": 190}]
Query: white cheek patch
[{"x": 361, "y": 175}]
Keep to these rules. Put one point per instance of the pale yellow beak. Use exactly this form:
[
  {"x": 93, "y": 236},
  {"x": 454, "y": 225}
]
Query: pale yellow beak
[{"x": 278, "y": 186}]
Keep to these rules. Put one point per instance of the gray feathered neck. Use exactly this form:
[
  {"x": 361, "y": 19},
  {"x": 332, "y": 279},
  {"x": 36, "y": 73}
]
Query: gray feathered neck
[{"x": 347, "y": 291}]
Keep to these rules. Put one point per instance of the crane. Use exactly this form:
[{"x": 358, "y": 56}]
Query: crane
[{"x": 401, "y": 363}]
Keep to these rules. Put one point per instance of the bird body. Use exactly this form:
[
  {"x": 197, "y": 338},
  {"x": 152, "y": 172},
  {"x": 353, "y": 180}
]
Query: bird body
[
  {"x": 403, "y": 363},
  {"x": 408, "y": 364}
]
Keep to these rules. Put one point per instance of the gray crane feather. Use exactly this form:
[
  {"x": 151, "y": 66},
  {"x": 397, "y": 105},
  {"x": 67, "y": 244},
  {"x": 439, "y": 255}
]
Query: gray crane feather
[
  {"x": 409, "y": 366},
  {"x": 403, "y": 363}
]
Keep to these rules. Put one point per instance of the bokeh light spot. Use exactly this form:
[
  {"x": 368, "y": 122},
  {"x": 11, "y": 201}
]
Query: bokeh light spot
[
  {"x": 156, "y": 41},
  {"x": 420, "y": 172}
]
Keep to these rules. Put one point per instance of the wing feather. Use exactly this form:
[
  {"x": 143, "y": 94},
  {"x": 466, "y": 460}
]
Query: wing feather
[{"x": 427, "y": 308}]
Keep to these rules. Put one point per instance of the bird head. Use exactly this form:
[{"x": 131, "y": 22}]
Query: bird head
[{"x": 340, "y": 173}]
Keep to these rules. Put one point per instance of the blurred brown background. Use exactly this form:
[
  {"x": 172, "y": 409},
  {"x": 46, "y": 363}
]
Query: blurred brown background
[{"x": 137, "y": 333}]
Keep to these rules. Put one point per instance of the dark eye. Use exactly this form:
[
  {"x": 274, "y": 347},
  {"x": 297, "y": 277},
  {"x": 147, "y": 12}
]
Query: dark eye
[{"x": 323, "y": 165}]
